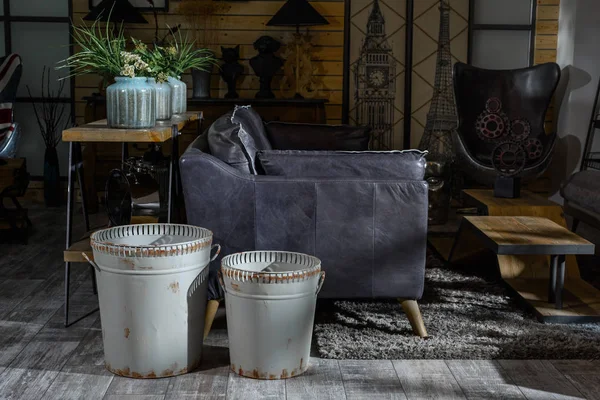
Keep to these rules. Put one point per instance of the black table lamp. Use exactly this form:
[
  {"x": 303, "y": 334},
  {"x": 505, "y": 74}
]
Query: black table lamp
[
  {"x": 299, "y": 13},
  {"x": 120, "y": 11}
]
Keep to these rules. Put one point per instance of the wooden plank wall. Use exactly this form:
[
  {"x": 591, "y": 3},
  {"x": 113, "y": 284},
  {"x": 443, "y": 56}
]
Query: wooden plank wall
[
  {"x": 242, "y": 24},
  {"x": 546, "y": 40}
]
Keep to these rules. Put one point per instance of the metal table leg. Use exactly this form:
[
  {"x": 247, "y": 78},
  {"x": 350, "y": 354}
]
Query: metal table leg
[
  {"x": 552, "y": 280},
  {"x": 70, "y": 189},
  {"x": 557, "y": 280},
  {"x": 75, "y": 167},
  {"x": 560, "y": 282},
  {"x": 173, "y": 173}
]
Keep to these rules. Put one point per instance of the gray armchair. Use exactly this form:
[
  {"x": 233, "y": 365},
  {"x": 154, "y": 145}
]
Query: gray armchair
[{"x": 370, "y": 234}]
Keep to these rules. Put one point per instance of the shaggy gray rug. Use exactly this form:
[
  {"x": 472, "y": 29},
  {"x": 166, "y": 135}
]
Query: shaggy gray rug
[{"x": 467, "y": 315}]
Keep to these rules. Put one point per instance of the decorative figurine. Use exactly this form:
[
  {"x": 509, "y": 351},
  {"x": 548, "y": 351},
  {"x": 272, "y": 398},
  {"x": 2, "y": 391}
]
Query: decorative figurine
[
  {"x": 231, "y": 69},
  {"x": 266, "y": 64}
]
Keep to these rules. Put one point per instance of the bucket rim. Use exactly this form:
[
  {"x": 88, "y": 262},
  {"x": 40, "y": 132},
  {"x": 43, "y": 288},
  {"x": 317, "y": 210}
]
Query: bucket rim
[
  {"x": 201, "y": 267},
  {"x": 100, "y": 240},
  {"x": 239, "y": 274}
]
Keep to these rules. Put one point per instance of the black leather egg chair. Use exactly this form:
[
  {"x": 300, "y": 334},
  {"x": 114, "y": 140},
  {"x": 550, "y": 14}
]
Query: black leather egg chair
[{"x": 501, "y": 121}]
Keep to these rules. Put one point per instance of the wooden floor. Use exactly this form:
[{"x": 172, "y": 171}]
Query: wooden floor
[{"x": 39, "y": 359}]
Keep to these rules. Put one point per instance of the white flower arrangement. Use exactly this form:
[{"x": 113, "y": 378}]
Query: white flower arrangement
[{"x": 134, "y": 65}]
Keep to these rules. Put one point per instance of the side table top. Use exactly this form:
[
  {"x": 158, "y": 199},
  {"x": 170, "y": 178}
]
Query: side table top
[
  {"x": 98, "y": 131},
  {"x": 527, "y": 236},
  {"x": 527, "y": 199}
]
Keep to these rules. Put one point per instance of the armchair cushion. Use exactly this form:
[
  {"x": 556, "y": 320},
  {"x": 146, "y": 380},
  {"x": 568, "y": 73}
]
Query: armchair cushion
[
  {"x": 382, "y": 165},
  {"x": 225, "y": 144},
  {"x": 583, "y": 188},
  {"x": 235, "y": 137},
  {"x": 294, "y": 136},
  {"x": 251, "y": 133}
]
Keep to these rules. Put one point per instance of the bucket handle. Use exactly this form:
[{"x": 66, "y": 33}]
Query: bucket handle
[
  {"x": 320, "y": 283},
  {"x": 218, "y": 246},
  {"x": 92, "y": 263},
  {"x": 220, "y": 275}
]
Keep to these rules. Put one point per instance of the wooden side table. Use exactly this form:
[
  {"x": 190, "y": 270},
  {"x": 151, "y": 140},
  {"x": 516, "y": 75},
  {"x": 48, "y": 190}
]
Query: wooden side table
[
  {"x": 529, "y": 204},
  {"x": 539, "y": 236},
  {"x": 98, "y": 131}
]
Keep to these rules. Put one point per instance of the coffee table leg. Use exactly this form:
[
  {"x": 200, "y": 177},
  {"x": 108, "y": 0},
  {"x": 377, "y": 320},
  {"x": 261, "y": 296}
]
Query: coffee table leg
[
  {"x": 560, "y": 281},
  {"x": 552, "y": 281}
]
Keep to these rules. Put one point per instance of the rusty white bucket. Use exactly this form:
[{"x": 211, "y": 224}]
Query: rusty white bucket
[
  {"x": 152, "y": 284},
  {"x": 270, "y": 299}
]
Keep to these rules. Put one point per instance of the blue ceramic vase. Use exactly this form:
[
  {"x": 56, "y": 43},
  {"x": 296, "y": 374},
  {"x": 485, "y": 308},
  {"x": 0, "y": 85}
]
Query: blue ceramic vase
[
  {"x": 164, "y": 109},
  {"x": 179, "y": 95},
  {"x": 131, "y": 103}
]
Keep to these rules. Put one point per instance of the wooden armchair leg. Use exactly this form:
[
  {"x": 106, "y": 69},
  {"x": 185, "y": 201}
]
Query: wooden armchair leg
[
  {"x": 211, "y": 310},
  {"x": 411, "y": 308}
]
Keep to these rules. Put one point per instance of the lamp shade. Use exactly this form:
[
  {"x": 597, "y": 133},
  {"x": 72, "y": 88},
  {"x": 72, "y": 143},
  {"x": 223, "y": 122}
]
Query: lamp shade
[
  {"x": 119, "y": 11},
  {"x": 297, "y": 13}
]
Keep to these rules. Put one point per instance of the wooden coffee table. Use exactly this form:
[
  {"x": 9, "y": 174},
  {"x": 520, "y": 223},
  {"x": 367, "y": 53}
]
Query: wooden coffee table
[{"x": 533, "y": 236}]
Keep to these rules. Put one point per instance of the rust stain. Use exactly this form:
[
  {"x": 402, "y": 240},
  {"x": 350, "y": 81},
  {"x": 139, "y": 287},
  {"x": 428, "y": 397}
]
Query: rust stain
[
  {"x": 127, "y": 331},
  {"x": 128, "y": 262},
  {"x": 255, "y": 373},
  {"x": 235, "y": 286},
  {"x": 241, "y": 371},
  {"x": 182, "y": 371},
  {"x": 167, "y": 372},
  {"x": 294, "y": 372},
  {"x": 136, "y": 375},
  {"x": 272, "y": 376},
  {"x": 284, "y": 373},
  {"x": 174, "y": 287},
  {"x": 122, "y": 372},
  {"x": 151, "y": 375}
]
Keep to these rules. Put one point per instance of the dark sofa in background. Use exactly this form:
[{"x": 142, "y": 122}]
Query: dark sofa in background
[{"x": 369, "y": 229}]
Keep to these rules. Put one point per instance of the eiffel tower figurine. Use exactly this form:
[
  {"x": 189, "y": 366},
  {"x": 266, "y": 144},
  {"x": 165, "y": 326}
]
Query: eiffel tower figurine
[
  {"x": 441, "y": 118},
  {"x": 441, "y": 122}
]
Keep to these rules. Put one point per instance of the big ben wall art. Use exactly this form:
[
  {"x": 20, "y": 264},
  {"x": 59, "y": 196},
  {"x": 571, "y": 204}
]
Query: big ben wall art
[
  {"x": 377, "y": 56},
  {"x": 376, "y": 71}
]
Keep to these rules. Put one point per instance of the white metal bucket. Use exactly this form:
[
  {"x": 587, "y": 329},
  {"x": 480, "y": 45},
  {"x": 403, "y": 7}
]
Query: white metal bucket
[
  {"x": 270, "y": 299},
  {"x": 152, "y": 289}
]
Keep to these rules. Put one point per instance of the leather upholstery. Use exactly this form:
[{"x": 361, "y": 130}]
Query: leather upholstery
[
  {"x": 226, "y": 145},
  {"x": 524, "y": 96},
  {"x": 398, "y": 165},
  {"x": 583, "y": 189},
  {"x": 294, "y": 136},
  {"x": 235, "y": 137},
  {"x": 251, "y": 133},
  {"x": 370, "y": 234}
]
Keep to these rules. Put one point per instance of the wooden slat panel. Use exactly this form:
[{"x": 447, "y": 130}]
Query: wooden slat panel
[
  {"x": 544, "y": 56},
  {"x": 325, "y": 8},
  {"x": 227, "y": 22},
  {"x": 546, "y": 27},
  {"x": 547, "y": 12},
  {"x": 548, "y": 42}
]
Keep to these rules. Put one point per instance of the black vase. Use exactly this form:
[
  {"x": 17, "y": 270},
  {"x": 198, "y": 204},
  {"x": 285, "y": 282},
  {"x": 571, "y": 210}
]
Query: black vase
[
  {"x": 52, "y": 191},
  {"x": 201, "y": 83}
]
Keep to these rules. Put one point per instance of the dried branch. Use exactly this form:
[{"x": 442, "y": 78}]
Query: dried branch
[{"x": 50, "y": 112}]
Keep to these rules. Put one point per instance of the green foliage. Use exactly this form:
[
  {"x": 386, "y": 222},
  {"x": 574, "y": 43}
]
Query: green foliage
[
  {"x": 187, "y": 57},
  {"x": 100, "y": 51},
  {"x": 103, "y": 52}
]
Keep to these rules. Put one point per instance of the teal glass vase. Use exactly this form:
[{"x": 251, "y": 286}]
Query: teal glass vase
[
  {"x": 131, "y": 103},
  {"x": 164, "y": 109},
  {"x": 179, "y": 95}
]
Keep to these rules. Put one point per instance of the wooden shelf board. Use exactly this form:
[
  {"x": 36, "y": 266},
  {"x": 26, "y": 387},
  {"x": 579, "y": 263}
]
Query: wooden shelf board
[
  {"x": 581, "y": 301},
  {"x": 98, "y": 131}
]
